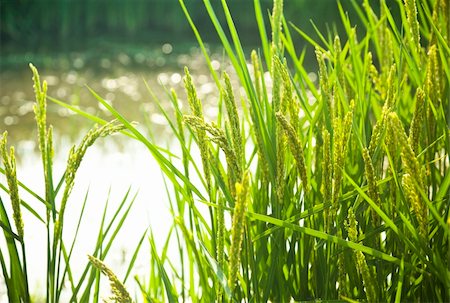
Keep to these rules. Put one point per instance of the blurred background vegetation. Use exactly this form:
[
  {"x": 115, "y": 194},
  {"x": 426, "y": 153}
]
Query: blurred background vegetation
[
  {"x": 113, "y": 44},
  {"x": 46, "y": 26}
]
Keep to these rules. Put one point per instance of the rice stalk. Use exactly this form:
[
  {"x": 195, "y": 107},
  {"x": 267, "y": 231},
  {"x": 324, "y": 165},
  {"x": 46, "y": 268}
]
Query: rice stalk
[{"x": 327, "y": 177}]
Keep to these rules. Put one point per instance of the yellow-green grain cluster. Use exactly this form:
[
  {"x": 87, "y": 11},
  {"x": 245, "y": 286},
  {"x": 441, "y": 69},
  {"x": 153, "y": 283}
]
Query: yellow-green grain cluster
[
  {"x": 9, "y": 163},
  {"x": 296, "y": 147},
  {"x": 233, "y": 118},
  {"x": 196, "y": 108},
  {"x": 279, "y": 133},
  {"x": 289, "y": 102},
  {"x": 433, "y": 81},
  {"x": 45, "y": 135},
  {"x": 380, "y": 126},
  {"x": 119, "y": 292},
  {"x": 413, "y": 174},
  {"x": 418, "y": 206},
  {"x": 238, "y": 228},
  {"x": 277, "y": 15},
  {"x": 342, "y": 130},
  {"x": 416, "y": 122},
  {"x": 323, "y": 81},
  {"x": 217, "y": 136},
  {"x": 76, "y": 155},
  {"x": 413, "y": 23},
  {"x": 327, "y": 177}
]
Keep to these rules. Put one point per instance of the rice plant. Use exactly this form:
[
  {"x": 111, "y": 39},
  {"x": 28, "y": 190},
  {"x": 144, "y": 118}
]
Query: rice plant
[
  {"x": 347, "y": 179},
  {"x": 50, "y": 211},
  {"x": 299, "y": 191}
]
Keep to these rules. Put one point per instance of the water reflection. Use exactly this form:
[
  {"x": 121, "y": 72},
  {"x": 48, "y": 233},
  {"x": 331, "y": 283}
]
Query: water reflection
[{"x": 119, "y": 78}]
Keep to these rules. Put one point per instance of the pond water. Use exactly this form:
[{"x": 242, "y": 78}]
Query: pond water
[{"x": 112, "y": 165}]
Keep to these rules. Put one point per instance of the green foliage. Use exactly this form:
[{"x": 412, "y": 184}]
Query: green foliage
[
  {"x": 358, "y": 149},
  {"x": 356, "y": 209}
]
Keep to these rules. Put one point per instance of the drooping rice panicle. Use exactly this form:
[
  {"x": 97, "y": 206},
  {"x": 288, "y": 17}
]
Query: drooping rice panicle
[
  {"x": 76, "y": 154},
  {"x": 45, "y": 138},
  {"x": 416, "y": 122},
  {"x": 413, "y": 23},
  {"x": 413, "y": 173},
  {"x": 325, "y": 91},
  {"x": 279, "y": 133},
  {"x": 342, "y": 130},
  {"x": 409, "y": 159},
  {"x": 233, "y": 117},
  {"x": 289, "y": 103},
  {"x": 433, "y": 81},
  {"x": 218, "y": 136},
  {"x": 295, "y": 145},
  {"x": 119, "y": 292},
  {"x": 277, "y": 15},
  {"x": 9, "y": 163},
  {"x": 196, "y": 108},
  {"x": 327, "y": 177},
  {"x": 380, "y": 126},
  {"x": 418, "y": 206}
]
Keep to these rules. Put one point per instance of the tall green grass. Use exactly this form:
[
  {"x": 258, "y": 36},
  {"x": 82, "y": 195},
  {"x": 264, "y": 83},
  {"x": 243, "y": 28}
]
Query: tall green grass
[
  {"x": 301, "y": 191},
  {"x": 60, "y": 278},
  {"x": 347, "y": 180}
]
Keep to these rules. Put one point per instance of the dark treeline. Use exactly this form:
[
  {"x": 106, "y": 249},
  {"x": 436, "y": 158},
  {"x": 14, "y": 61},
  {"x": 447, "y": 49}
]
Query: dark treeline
[{"x": 32, "y": 23}]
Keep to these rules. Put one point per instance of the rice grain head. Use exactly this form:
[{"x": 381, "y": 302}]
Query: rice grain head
[
  {"x": 120, "y": 293},
  {"x": 9, "y": 162},
  {"x": 413, "y": 23},
  {"x": 416, "y": 122},
  {"x": 233, "y": 117},
  {"x": 76, "y": 155},
  {"x": 327, "y": 177},
  {"x": 196, "y": 108},
  {"x": 295, "y": 145}
]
